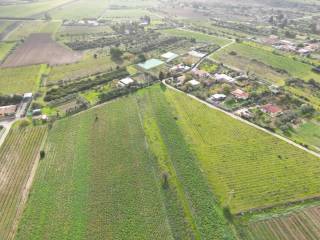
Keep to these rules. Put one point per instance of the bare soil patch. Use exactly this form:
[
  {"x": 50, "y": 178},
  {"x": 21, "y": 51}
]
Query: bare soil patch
[{"x": 40, "y": 48}]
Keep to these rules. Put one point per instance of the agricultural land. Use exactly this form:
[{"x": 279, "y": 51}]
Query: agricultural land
[{"x": 160, "y": 119}]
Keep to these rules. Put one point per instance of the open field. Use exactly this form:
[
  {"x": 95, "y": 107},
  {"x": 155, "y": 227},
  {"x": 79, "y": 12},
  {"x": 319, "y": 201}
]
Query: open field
[
  {"x": 80, "y": 9},
  {"x": 300, "y": 224},
  {"x": 115, "y": 14},
  {"x": 197, "y": 35},
  {"x": 309, "y": 133},
  {"x": 5, "y": 49},
  {"x": 86, "y": 67},
  {"x": 246, "y": 167},
  {"x": 29, "y": 27},
  {"x": 175, "y": 156},
  {"x": 39, "y": 48},
  {"x": 112, "y": 180},
  {"x": 29, "y": 9},
  {"x": 107, "y": 179},
  {"x": 267, "y": 58},
  {"x": 79, "y": 30},
  {"x": 133, "y": 4},
  {"x": 21, "y": 79},
  {"x": 18, "y": 156}
]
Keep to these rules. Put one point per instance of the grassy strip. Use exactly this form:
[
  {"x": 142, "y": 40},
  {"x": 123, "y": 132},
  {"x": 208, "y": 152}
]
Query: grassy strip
[
  {"x": 196, "y": 35},
  {"x": 207, "y": 217}
]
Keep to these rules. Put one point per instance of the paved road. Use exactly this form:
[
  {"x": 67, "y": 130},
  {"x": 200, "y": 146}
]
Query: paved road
[{"x": 245, "y": 121}]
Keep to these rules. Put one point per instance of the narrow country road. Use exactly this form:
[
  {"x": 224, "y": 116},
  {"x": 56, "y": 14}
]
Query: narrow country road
[
  {"x": 4, "y": 132},
  {"x": 245, "y": 121}
]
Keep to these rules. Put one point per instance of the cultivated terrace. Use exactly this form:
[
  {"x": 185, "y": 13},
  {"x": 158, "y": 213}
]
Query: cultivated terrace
[{"x": 160, "y": 119}]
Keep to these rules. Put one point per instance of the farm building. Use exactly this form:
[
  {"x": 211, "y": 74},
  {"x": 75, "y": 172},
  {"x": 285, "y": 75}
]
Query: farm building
[
  {"x": 125, "y": 82},
  {"x": 150, "y": 64},
  {"x": 224, "y": 77},
  {"x": 271, "y": 109},
  {"x": 196, "y": 54},
  {"x": 8, "y": 111},
  {"x": 169, "y": 56},
  {"x": 239, "y": 94}
]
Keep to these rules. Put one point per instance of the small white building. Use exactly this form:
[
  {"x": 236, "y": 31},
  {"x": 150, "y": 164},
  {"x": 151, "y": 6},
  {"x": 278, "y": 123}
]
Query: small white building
[
  {"x": 218, "y": 97},
  {"x": 179, "y": 68},
  {"x": 196, "y": 54},
  {"x": 27, "y": 96},
  {"x": 193, "y": 83},
  {"x": 125, "y": 82},
  {"x": 224, "y": 77},
  {"x": 169, "y": 56},
  {"x": 243, "y": 112}
]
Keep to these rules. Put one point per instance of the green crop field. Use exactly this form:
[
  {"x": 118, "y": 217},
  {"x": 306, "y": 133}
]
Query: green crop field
[
  {"x": 265, "y": 59},
  {"x": 110, "y": 184},
  {"x": 197, "y": 35},
  {"x": 80, "y": 9},
  {"x": 18, "y": 155},
  {"x": 128, "y": 14},
  {"x": 86, "y": 67},
  {"x": 309, "y": 133},
  {"x": 5, "y": 49},
  {"x": 206, "y": 154},
  {"x": 26, "y": 10},
  {"x": 20, "y": 79},
  {"x": 26, "y": 28},
  {"x": 92, "y": 185},
  {"x": 133, "y": 4},
  {"x": 78, "y": 30},
  {"x": 246, "y": 167}
]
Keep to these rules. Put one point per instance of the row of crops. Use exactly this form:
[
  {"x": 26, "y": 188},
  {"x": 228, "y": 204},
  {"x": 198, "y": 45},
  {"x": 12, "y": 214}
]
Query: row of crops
[
  {"x": 97, "y": 181},
  {"x": 301, "y": 224},
  {"x": 246, "y": 167},
  {"x": 16, "y": 169},
  {"x": 159, "y": 165}
]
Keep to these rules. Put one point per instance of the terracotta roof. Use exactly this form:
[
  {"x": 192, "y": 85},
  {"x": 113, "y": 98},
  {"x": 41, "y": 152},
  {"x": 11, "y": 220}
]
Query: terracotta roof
[
  {"x": 270, "y": 108},
  {"x": 238, "y": 93}
]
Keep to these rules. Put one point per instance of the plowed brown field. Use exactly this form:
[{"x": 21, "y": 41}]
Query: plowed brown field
[{"x": 40, "y": 48}]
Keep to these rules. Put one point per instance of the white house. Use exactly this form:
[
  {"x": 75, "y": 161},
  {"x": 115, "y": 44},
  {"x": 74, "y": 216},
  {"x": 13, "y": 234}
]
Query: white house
[
  {"x": 126, "y": 81},
  {"x": 224, "y": 77}
]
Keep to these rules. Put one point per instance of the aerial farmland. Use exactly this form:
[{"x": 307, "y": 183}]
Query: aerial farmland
[{"x": 159, "y": 119}]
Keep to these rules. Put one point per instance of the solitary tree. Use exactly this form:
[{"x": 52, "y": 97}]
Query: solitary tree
[
  {"x": 42, "y": 154},
  {"x": 165, "y": 180},
  {"x": 116, "y": 53}
]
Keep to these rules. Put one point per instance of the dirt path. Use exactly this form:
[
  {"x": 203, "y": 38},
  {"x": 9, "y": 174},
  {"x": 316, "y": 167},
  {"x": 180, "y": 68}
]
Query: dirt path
[
  {"x": 4, "y": 132},
  {"x": 245, "y": 121}
]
